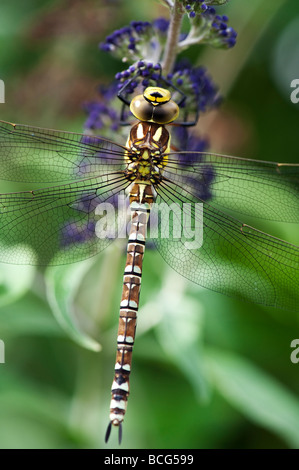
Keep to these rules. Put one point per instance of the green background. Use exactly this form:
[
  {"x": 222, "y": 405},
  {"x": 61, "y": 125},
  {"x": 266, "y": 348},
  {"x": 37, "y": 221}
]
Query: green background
[{"x": 208, "y": 371}]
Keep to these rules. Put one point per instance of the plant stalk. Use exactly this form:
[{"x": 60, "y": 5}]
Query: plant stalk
[{"x": 172, "y": 38}]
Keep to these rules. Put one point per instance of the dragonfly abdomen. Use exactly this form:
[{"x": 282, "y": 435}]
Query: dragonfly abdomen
[{"x": 141, "y": 198}]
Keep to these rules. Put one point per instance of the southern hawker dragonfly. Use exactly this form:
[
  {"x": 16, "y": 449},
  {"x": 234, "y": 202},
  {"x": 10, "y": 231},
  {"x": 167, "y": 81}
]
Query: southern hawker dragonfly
[{"x": 60, "y": 222}]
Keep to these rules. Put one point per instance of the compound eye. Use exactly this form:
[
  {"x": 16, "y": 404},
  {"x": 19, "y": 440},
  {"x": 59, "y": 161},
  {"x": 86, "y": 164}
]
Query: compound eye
[
  {"x": 141, "y": 109},
  {"x": 166, "y": 113}
]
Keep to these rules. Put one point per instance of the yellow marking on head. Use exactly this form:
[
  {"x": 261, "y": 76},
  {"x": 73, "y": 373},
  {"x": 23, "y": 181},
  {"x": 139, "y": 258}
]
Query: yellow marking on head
[{"x": 156, "y": 95}]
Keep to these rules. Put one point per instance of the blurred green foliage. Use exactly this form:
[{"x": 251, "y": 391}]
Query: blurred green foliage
[{"x": 208, "y": 371}]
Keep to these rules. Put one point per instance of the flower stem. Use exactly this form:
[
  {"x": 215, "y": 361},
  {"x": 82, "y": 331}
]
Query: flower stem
[
  {"x": 168, "y": 3},
  {"x": 172, "y": 38},
  {"x": 189, "y": 41}
]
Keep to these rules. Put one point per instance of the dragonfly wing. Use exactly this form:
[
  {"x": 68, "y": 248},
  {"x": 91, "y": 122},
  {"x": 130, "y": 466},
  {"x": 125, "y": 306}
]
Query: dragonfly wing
[
  {"x": 32, "y": 154},
  {"x": 249, "y": 187},
  {"x": 225, "y": 255},
  {"x": 61, "y": 224}
]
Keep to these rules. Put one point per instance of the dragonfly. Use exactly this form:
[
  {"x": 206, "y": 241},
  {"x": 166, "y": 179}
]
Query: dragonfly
[{"x": 76, "y": 173}]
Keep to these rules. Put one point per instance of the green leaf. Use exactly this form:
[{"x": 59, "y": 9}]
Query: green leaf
[
  {"x": 15, "y": 280},
  {"x": 29, "y": 315},
  {"x": 33, "y": 416},
  {"x": 179, "y": 332},
  {"x": 256, "y": 394},
  {"x": 62, "y": 284}
]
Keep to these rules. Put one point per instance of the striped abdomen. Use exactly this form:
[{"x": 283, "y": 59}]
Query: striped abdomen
[{"x": 141, "y": 199}]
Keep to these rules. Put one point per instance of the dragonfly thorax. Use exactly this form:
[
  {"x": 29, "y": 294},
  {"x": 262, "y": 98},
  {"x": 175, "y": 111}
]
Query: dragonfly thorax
[{"x": 149, "y": 144}]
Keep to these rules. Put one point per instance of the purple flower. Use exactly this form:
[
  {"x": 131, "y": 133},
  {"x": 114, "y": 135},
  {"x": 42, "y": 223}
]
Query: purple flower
[
  {"x": 77, "y": 232},
  {"x": 188, "y": 142},
  {"x": 212, "y": 28},
  {"x": 220, "y": 34},
  {"x": 161, "y": 25},
  {"x": 100, "y": 115},
  {"x": 139, "y": 39},
  {"x": 201, "y": 92}
]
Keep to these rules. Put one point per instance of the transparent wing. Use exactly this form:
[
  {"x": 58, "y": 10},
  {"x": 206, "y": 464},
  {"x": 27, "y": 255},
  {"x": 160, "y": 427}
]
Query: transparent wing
[
  {"x": 255, "y": 188},
  {"x": 32, "y": 154},
  {"x": 231, "y": 258},
  {"x": 60, "y": 223}
]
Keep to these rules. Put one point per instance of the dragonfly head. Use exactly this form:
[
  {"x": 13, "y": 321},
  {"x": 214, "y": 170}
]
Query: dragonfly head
[{"x": 155, "y": 105}]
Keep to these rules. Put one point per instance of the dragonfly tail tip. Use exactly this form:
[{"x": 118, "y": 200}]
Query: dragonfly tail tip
[
  {"x": 108, "y": 432},
  {"x": 107, "y": 435},
  {"x": 120, "y": 433}
]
